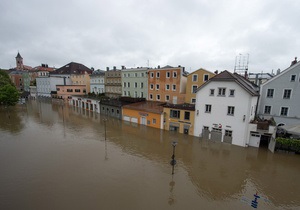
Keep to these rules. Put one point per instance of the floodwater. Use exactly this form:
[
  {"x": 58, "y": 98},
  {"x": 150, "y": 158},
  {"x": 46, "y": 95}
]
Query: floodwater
[{"x": 56, "y": 157}]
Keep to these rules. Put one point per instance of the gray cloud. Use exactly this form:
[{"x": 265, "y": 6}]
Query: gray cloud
[{"x": 193, "y": 33}]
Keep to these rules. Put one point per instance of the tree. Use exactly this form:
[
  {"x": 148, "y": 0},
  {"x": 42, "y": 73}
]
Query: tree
[{"x": 9, "y": 94}]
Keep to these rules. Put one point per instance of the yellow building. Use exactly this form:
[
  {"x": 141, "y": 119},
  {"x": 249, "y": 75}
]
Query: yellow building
[
  {"x": 179, "y": 118},
  {"x": 82, "y": 78},
  {"x": 195, "y": 80},
  {"x": 149, "y": 113}
]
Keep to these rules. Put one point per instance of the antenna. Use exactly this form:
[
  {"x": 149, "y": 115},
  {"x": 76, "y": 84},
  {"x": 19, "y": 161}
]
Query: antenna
[{"x": 241, "y": 64}]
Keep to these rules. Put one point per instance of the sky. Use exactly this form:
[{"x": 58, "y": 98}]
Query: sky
[{"x": 209, "y": 34}]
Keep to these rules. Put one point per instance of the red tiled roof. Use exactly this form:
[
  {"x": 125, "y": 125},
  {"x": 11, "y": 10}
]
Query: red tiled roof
[{"x": 147, "y": 106}]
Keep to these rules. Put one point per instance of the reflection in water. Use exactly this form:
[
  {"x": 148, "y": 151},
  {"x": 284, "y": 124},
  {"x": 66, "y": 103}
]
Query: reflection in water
[{"x": 64, "y": 162}]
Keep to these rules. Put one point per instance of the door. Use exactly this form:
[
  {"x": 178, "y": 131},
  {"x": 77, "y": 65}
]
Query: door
[
  {"x": 143, "y": 120},
  {"x": 254, "y": 139},
  {"x": 205, "y": 132},
  {"x": 228, "y": 136},
  {"x": 216, "y": 134}
]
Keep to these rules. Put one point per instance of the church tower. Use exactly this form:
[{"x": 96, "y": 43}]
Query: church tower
[{"x": 19, "y": 62}]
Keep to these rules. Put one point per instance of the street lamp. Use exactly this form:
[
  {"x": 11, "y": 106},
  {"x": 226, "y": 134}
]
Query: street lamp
[
  {"x": 173, "y": 161},
  {"x": 104, "y": 120}
]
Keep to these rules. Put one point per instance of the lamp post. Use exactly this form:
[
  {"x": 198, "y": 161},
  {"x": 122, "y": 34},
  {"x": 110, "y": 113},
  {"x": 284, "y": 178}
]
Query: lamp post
[
  {"x": 104, "y": 120},
  {"x": 173, "y": 161}
]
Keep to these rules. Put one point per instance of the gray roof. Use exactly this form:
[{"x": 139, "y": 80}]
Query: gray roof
[{"x": 240, "y": 80}]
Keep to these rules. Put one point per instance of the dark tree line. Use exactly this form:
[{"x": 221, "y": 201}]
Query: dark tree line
[{"x": 9, "y": 94}]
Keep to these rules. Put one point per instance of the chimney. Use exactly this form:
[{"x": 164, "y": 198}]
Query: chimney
[
  {"x": 216, "y": 72},
  {"x": 179, "y": 65},
  {"x": 294, "y": 61},
  {"x": 115, "y": 68},
  {"x": 158, "y": 66},
  {"x": 278, "y": 71},
  {"x": 107, "y": 68},
  {"x": 123, "y": 67}
]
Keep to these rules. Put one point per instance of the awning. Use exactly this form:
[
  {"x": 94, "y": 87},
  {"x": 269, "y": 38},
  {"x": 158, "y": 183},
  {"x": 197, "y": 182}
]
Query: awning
[{"x": 291, "y": 129}]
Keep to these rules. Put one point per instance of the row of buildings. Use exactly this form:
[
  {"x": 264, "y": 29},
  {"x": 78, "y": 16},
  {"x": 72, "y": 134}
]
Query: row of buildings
[{"x": 224, "y": 106}]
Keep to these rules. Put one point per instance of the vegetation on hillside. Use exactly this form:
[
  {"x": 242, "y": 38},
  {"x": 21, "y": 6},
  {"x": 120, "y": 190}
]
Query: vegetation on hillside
[{"x": 9, "y": 94}]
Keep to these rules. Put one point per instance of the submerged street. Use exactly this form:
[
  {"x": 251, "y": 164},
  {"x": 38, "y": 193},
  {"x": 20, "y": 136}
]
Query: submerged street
[{"x": 56, "y": 157}]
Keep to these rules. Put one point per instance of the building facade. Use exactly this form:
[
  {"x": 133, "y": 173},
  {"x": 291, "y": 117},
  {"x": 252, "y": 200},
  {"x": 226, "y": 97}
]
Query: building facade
[
  {"x": 179, "y": 118},
  {"x": 280, "y": 97},
  {"x": 167, "y": 84},
  {"x": 113, "y": 87},
  {"x": 195, "y": 80},
  {"x": 97, "y": 83},
  {"x": 148, "y": 113},
  {"x": 135, "y": 82},
  {"x": 225, "y": 107}
]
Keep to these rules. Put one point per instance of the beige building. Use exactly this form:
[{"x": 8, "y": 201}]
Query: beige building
[{"x": 195, "y": 80}]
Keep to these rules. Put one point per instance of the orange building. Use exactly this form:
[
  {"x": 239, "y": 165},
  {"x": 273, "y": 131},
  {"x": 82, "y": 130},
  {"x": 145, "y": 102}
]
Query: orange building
[
  {"x": 195, "y": 80},
  {"x": 167, "y": 84},
  {"x": 66, "y": 91},
  {"x": 149, "y": 113}
]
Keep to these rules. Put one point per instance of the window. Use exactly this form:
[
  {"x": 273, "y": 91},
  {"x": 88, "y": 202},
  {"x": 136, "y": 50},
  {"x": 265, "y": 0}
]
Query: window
[
  {"x": 284, "y": 111},
  {"x": 174, "y": 87},
  {"x": 77, "y": 90},
  {"x": 168, "y": 74},
  {"x": 135, "y": 74},
  {"x": 212, "y": 92},
  {"x": 142, "y": 74},
  {"x": 158, "y": 97},
  {"x": 135, "y": 85},
  {"x": 151, "y": 74},
  {"x": 230, "y": 110},
  {"x": 231, "y": 93},
  {"x": 287, "y": 93},
  {"x": 142, "y": 94},
  {"x": 175, "y": 114},
  {"x": 270, "y": 93},
  {"x": 194, "y": 88},
  {"x": 69, "y": 90},
  {"x": 195, "y": 78},
  {"x": 153, "y": 121},
  {"x": 124, "y": 84},
  {"x": 167, "y": 87},
  {"x": 128, "y": 93},
  {"x": 222, "y": 92},
  {"x": 174, "y": 74},
  {"x": 267, "y": 110},
  {"x": 151, "y": 86},
  {"x": 187, "y": 115},
  {"x": 228, "y": 133},
  {"x": 205, "y": 77},
  {"x": 135, "y": 94},
  {"x": 124, "y": 93},
  {"x": 157, "y": 86},
  {"x": 208, "y": 108},
  {"x": 193, "y": 100},
  {"x": 167, "y": 97},
  {"x": 128, "y": 84},
  {"x": 58, "y": 89},
  {"x": 293, "y": 78},
  {"x": 142, "y": 85},
  {"x": 157, "y": 74},
  {"x": 150, "y": 96}
]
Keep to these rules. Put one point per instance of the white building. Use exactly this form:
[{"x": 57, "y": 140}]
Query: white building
[
  {"x": 280, "y": 97},
  {"x": 45, "y": 84},
  {"x": 97, "y": 82},
  {"x": 225, "y": 106}
]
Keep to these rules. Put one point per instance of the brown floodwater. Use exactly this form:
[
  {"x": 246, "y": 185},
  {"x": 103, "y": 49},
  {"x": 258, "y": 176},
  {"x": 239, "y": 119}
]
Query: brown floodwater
[{"x": 56, "y": 157}]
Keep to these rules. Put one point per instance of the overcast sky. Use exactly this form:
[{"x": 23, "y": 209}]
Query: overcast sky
[{"x": 192, "y": 33}]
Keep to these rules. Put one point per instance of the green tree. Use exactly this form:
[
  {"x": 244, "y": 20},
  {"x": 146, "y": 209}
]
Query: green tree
[{"x": 9, "y": 94}]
